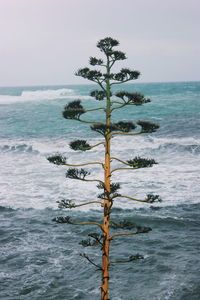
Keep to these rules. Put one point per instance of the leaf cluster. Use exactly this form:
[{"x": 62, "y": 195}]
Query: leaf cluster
[
  {"x": 62, "y": 220},
  {"x": 73, "y": 173},
  {"x": 125, "y": 126},
  {"x": 117, "y": 55},
  {"x": 120, "y": 126},
  {"x": 122, "y": 76},
  {"x": 143, "y": 229},
  {"x": 126, "y": 75},
  {"x": 88, "y": 243},
  {"x": 93, "y": 75},
  {"x": 98, "y": 94},
  {"x": 73, "y": 110},
  {"x": 132, "y": 98},
  {"x": 148, "y": 127},
  {"x": 150, "y": 198},
  {"x": 97, "y": 76},
  {"x": 95, "y": 241},
  {"x": 106, "y": 45},
  {"x": 95, "y": 61},
  {"x": 114, "y": 187},
  {"x": 123, "y": 225},
  {"x": 139, "y": 162},
  {"x": 103, "y": 128},
  {"x": 57, "y": 159},
  {"x": 129, "y": 226},
  {"x": 65, "y": 203},
  {"x": 79, "y": 145},
  {"x": 135, "y": 257}
]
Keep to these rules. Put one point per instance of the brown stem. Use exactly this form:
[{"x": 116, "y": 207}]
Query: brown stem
[{"x": 107, "y": 202}]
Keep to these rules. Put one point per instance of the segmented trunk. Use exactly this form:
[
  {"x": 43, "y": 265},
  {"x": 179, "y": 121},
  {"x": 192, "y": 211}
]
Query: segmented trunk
[
  {"x": 106, "y": 224},
  {"x": 107, "y": 203}
]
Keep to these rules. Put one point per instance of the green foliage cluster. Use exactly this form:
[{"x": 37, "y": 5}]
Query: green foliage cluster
[
  {"x": 132, "y": 98},
  {"x": 73, "y": 110},
  {"x": 77, "y": 174},
  {"x": 148, "y": 127},
  {"x": 80, "y": 145},
  {"x": 114, "y": 187},
  {"x": 57, "y": 159},
  {"x": 139, "y": 162},
  {"x": 98, "y": 95}
]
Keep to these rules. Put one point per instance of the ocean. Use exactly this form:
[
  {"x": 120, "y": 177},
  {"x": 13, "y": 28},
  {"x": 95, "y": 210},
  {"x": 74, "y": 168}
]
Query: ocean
[{"x": 40, "y": 259}]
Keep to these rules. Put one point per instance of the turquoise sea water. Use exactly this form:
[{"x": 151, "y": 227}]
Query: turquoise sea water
[{"x": 40, "y": 259}]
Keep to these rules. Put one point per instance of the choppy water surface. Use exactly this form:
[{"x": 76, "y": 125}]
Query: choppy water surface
[{"x": 41, "y": 259}]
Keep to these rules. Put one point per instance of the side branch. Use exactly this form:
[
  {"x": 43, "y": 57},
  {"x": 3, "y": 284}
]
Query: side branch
[
  {"x": 118, "y": 107},
  {"x": 122, "y": 161},
  {"x": 93, "y": 109},
  {"x": 101, "y": 85},
  {"x": 121, "y": 105},
  {"x": 88, "y": 122},
  {"x": 87, "y": 223},
  {"x": 83, "y": 145},
  {"x": 98, "y": 144},
  {"x": 74, "y": 173},
  {"x": 117, "y": 102},
  {"x": 67, "y": 220},
  {"x": 118, "y": 169},
  {"x": 131, "y": 198},
  {"x": 65, "y": 203},
  {"x": 84, "y": 164},
  {"x": 131, "y": 258},
  {"x": 126, "y": 133},
  {"x": 120, "y": 82},
  {"x": 97, "y": 180},
  {"x": 90, "y": 202},
  {"x": 151, "y": 198},
  {"x": 126, "y": 233},
  {"x": 90, "y": 261}
]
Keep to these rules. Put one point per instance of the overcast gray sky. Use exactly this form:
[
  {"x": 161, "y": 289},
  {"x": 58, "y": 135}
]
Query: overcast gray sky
[{"x": 46, "y": 41}]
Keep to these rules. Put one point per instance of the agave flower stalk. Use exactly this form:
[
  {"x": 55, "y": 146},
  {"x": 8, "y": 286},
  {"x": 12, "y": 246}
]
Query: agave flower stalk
[{"x": 110, "y": 103}]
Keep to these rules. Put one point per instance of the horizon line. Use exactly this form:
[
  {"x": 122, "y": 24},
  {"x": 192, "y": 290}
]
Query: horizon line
[{"x": 75, "y": 84}]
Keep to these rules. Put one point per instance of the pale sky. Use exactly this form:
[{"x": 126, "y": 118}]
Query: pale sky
[{"x": 44, "y": 42}]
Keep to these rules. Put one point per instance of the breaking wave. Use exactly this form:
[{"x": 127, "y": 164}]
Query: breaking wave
[
  {"x": 36, "y": 95},
  {"x": 152, "y": 144},
  {"x": 18, "y": 148}
]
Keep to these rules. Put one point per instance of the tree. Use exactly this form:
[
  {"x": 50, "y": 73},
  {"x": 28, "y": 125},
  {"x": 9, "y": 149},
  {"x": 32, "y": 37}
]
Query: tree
[{"x": 74, "y": 110}]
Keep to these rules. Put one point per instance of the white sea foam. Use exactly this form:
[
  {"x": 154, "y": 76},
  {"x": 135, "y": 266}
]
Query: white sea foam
[
  {"x": 138, "y": 145},
  {"x": 38, "y": 95},
  {"x": 46, "y": 94},
  {"x": 44, "y": 183}
]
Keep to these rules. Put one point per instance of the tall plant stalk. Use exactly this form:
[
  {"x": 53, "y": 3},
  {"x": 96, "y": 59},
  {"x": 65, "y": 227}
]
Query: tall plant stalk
[
  {"x": 74, "y": 110},
  {"x": 107, "y": 200}
]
